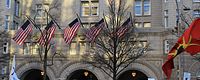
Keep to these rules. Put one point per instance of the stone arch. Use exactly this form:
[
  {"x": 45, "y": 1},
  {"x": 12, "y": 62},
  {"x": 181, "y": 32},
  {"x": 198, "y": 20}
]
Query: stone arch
[
  {"x": 148, "y": 69},
  {"x": 23, "y": 67},
  {"x": 68, "y": 69}
]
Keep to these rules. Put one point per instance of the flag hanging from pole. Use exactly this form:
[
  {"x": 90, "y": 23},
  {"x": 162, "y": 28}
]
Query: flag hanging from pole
[
  {"x": 189, "y": 42},
  {"x": 124, "y": 28},
  {"x": 92, "y": 33},
  {"x": 23, "y": 32},
  {"x": 47, "y": 34},
  {"x": 71, "y": 30},
  {"x": 13, "y": 75}
]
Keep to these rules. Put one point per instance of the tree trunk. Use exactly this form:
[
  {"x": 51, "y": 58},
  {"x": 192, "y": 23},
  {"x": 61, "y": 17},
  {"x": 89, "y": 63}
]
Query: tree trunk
[{"x": 45, "y": 64}]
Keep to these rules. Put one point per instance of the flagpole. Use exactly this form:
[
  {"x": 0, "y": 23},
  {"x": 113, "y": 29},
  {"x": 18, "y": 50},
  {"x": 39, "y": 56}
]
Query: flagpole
[
  {"x": 131, "y": 20},
  {"x": 52, "y": 18},
  {"x": 178, "y": 26},
  {"x": 31, "y": 20},
  {"x": 79, "y": 20}
]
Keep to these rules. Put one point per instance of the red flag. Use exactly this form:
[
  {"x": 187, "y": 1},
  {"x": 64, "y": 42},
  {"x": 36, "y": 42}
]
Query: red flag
[
  {"x": 191, "y": 38},
  {"x": 169, "y": 64},
  {"x": 23, "y": 32},
  {"x": 47, "y": 34},
  {"x": 189, "y": 42},
  {"x": 92, "y": 33},
  {"x": 71, "y": 30}
]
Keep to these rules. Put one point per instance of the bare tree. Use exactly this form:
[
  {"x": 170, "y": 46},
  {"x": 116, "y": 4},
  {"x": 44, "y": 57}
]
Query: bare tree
[
  {"x": 52, "y": 13},
  {"x": 113, "y": 54}
]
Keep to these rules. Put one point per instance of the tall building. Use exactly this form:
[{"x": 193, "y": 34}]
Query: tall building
[
  {"x": 154, "y": 19},
  {"x": 9, "y": 20}
]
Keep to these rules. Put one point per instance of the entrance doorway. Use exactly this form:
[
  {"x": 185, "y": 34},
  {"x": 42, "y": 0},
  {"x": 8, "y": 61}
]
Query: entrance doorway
[
  {"x": 82, "y": 75},
  {"x": 33, "y": 74},
  {"x": 133, "y": 75}
]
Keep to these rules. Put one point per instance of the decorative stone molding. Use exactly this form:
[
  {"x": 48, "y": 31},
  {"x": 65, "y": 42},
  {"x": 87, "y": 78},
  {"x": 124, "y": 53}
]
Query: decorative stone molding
[
  {"x": 68, "y": 69},
  {"x": 34, "y": 65}
]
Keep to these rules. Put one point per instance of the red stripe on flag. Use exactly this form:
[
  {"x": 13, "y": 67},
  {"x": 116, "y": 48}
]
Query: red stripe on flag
[
  {"x": 21, "y": 34},
  {"x": 47, "y": 34},
  {"x": 70, "y": 32},
  {"x": 92, "y": 33}
]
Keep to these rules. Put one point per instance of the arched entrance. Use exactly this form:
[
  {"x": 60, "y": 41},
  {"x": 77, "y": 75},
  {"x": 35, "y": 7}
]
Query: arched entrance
[
  {"x": 133, "y": 75},
  {"x": 33, "y": 74},
  {"x": 82, "y": 75}
]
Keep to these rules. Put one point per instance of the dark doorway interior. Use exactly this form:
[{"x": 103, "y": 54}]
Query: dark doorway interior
[
  {"x": 133, "y": 75},
  {"x": 82, "y": 75},
  {"x": 33, "y": 74}
]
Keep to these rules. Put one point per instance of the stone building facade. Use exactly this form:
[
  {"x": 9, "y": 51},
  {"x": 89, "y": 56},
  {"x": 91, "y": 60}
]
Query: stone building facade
[{"x": 154, "y": 19}]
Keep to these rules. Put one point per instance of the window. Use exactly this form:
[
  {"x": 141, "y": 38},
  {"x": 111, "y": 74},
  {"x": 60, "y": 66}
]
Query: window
[
  {"x": 151, "y": 79},
  {"x": 39, "y": 10},
  {"x": 16, "y": 9},
  {"x": 142, "y": 44},
  {"x": 165, "y": 12},
  {"x": 147, "y": 8},
  {"x": 166, "y": 0},
  {"x": 82, "y": 47},
  {"x": 15, "y": 25},
  {"x": 4, "y": 70},
  {"x": 143, "y": 24},
  {"x": 89, "y": 7},
  {"x": 35, "y": 48},
  {"x": 138, "y": 24},
  {"x": 147, "y": 24},
  {"x": 166, "y": 46},
  {"x": 166, "y": 19},
  {"x": 27, "y": 48},
  {"x": 7, "y": 22},
  {"x": 196, "y": 0},
  {"x": 53, "y": 46},
  {"x": 8, "y": 2},
  {"x": 5, "y": 48},
  {"x": 138, "y": 7},
  {"x": 196, "y": 13},
  {"x": 142, "y": 7},
  {"x": 88, "y": 25},
  {"x": 73, "y": 48},
  {"x": 166, "y": 22}
]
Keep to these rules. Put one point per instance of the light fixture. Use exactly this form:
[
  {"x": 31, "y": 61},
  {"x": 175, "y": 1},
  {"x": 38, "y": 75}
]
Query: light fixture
[
  {"x": 42, "y": 73},
  {"x": 86, "y": 73},
  {"x": 133, "y": 74}
]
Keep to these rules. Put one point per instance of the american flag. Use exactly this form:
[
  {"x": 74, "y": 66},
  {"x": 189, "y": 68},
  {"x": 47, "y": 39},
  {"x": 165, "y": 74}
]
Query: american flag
[
  {"x": 70, "y": 31},
  {"x": 124, "y": 28},
  {"x": 92, "y": 33},
  {"x": 47, "y": 34},
  {"x": 23, "y": 32}
]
